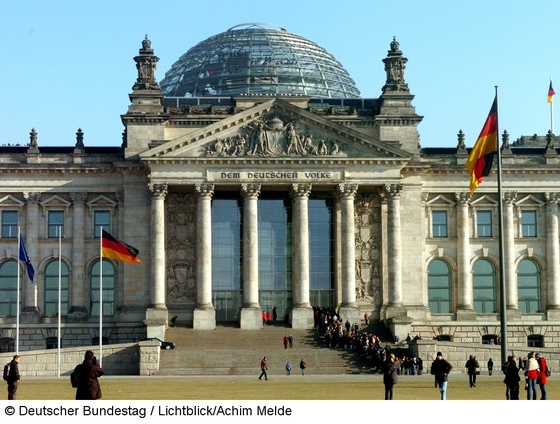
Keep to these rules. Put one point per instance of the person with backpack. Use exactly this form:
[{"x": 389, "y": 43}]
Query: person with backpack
[
  {"x": 302, "y": 366},
  {"x": 11, "y": 375}
]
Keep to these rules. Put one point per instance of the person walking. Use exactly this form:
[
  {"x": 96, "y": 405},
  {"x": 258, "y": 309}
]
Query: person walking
[
  {"x": 264, "y": 368},
  {"x": 531, "y": 373},
  {"x": 291, "y": 340},
  {"x": 512, "y": 378},
  {"x": 490, "y": 366},
  {"x": 390, "y": 370},
  {"x": 471, "y": 365},
  {"x": 12, "y": 379},
  {"x": 440, "y": 369},
  {"x": 285, "y": 341},
  {"x": 302, "y": 366},
  {"x": 543, "y": 373},
  {"x": 288, "y": 368},
  {"x": 89, "y": 372}
]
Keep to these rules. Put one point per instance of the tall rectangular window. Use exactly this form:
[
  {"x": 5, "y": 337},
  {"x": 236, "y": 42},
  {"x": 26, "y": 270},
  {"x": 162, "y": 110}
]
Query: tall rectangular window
[
  {"x": 9, "y": 224},
  {"x": 529, "y": 223},
  {"x": 101, "y": 219},
  {"x": 484, "y": 223},
  {"x": 439, "y": 223},
  {"x": 56, "y": 224}
]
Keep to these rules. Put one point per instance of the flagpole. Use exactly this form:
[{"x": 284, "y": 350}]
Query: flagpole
[
  {"x": 100, "y": 296},
  {"x": 18, "y": 289},
  {"x": 503, "y": 303},
  {"x": 59, "y": 296}
]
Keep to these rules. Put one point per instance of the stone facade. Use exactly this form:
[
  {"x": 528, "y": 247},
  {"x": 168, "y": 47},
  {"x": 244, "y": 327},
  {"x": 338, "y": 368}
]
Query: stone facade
[{"x": 397, "y": 209}]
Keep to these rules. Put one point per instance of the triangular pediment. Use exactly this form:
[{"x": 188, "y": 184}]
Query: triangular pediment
[
  {"x": 529, "y": 201},
  {"x": 440, "y": 201},
  {"x": 484, "y": 201},
  {"x": 275, "y": 129}
]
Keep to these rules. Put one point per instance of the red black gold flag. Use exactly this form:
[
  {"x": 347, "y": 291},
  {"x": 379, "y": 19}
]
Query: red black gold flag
[
  {"x": 481, "y": 156},
  {"x": 551, "y": 93},
  {"x": 116, "y": 249}
]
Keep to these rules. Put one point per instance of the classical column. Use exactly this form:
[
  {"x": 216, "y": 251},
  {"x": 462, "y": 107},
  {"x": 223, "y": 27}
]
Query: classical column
[
  {"x": 465, "y": 308},
  {"x": 510, "y": 272},
  {"x": 204, "y": 313},
  {"x": 157, "y": 292},
  {"x": 347, "y": 193},
  {"x": 31, "y": 233},
  {"x": 393, "y": 194},
  {"x": 251, "y": 311},
  {"x": 552, "y": 256},
  {"x": 78, "y": 296},
  {"x": 302, "y": 313}
]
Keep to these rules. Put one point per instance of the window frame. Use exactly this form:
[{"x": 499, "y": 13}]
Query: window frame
[
  {"x": 436, "y": 225},
  {"x": 485, "y": 225},
  {"x": 10, "y": 225},
  {"x": 97, "y": 225},
  {"x": 533, "y": 225},
  {"x": 51, "y": 226}
]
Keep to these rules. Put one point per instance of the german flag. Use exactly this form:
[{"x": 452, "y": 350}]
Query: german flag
[
  {"x": 116, "y": 249},
  {"x": 551, "y": 93},
  {"x": 481, "y": 156}
]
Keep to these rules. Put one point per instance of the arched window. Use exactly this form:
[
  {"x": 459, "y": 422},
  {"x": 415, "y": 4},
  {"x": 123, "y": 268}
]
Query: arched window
[
  {"x": 108, "y": 287},
  {"x": 484, "y": 287},
  {"x": 51, "y": 288},
  {"x": 439, "y": 287},
  {"x": 529, "y": 286},
  {"x": 8, "y": 288}
]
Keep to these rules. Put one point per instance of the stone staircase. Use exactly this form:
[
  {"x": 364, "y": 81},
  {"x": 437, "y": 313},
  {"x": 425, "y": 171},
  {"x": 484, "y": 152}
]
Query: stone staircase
[{"x": 232, "y": 351}]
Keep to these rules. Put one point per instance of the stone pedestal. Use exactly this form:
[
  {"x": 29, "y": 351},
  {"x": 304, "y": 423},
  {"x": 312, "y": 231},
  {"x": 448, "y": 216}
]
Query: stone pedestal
[
  {"x": 352, "y": 314},
  {"x": 553, "y": 314},
  {"x": 30, "y": 316},
  {"x": 250, "y": 319},
  {"x": 513, "y": 315},
  {"x": 302, "y": 318},
  {"x": 77, "y": 314},
  {"x": 156, "y": 322},
  {"x": 204, "y": 319},
  {"x": 399, "y": 326},
  {"x": 466, "y": 315}
]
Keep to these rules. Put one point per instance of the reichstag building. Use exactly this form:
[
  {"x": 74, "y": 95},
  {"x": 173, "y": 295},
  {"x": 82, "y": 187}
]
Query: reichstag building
[{"x": 254, "y": 176}]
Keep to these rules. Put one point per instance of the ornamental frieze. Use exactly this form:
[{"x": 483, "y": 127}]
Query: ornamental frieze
[{"x": 271, "y": 137}]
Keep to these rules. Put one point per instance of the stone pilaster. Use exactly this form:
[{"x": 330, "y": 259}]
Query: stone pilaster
[
  {"x": 302, "y": 313},
  {"x": 204, "y": 313},
  {"x": 78, "y": 296},
  {"x": 250, "y": 317},
  {"x": 30, "y": 310},
  {"x": 156, "y": 314},
  {"x": 465, "y": 310},
  {"x": 552, "y": 256},
  {"x": 348, "y": 308},
  {"x": 510, "y": 272}
]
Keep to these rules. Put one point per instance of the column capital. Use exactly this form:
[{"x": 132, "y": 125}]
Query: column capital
[
  {"x": 552, "y": 198},
  {"x": 392, "y": 190},
  {"x": 347, "y": 191},
  {"x": 250, "y": 191},
  {"x": 78, "y": 199},
  {"x": 33, "y": 198},
  {"x": 300, "y": 191},
  {"x": 204, "y": 190},
  {"x": 463, "y": 198},
  {"x": 159, "y": 191},
  {"x": 509, "y": 197}
]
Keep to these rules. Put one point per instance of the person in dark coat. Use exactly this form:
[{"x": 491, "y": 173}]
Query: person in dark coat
[
  {"x": 512, "y": 378},
  {"x": 13, "y": 378},
  {"x": 471, "y": 365},
  {"x": 89, "y": 371},
  {"x": 440, "y": 369},
  {"x": 390, "y": 370}
]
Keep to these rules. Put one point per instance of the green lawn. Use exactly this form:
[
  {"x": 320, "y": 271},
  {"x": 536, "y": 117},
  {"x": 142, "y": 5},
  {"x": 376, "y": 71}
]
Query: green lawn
[{"x": 295, "y": 387}]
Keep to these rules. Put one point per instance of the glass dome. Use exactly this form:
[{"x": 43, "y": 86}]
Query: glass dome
[{"x": 258, "y": 59}]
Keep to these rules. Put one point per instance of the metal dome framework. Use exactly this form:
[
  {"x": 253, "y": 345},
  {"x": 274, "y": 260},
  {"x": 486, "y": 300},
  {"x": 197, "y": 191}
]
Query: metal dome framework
[{"x": 258, "y": 59}]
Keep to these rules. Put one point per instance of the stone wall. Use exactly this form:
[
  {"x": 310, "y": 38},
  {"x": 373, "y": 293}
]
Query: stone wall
[{"x": 120, "y": 359}]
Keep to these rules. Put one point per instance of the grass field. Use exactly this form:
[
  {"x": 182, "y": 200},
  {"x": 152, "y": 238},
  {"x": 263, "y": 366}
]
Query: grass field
[{"x": 278, "y": 387}]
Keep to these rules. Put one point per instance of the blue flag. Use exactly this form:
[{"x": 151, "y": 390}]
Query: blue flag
[{"x": 25, "y": 258}]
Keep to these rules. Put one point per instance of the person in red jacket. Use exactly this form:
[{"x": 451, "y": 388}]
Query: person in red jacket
[
  {"x": 543, "y": 371},
  {"x": 531, "y": 373}
]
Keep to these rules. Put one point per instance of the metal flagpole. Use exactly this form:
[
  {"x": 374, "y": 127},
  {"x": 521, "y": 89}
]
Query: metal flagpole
[
  {"x": 503, "y": 303},
  {"x": 18, "y": 288},
  {"x": 59, "y": 295},
  {"x": 100, "y": 296}
]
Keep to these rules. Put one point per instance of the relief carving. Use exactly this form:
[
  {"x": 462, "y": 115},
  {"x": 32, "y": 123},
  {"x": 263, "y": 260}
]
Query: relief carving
[
  {"x": 367, "y": 218},
  {"x": 270, "y": 137},
  {"x": 181, "y": 248}
]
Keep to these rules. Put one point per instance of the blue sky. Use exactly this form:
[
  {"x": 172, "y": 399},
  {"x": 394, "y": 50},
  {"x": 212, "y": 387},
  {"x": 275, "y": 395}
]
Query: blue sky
[{"x": 69, "y": 64}]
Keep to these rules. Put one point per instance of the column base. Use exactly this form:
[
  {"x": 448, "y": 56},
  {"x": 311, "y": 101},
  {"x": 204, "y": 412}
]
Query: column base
[
  {"x": 553, "y": 314},
  {"x": 513, "y": 314},
  {"x": 250, "y": 319},
  {"x": 204, "y": 319},
  {"x": 466, "y": 315},
  {"x": 156, "y": 322},
  {"x": 399, "y": 326},
  {"x": 77, "y": 314},
  {"x": 302, "y": 318},
  {"x": 350, "y": 313},
  {"x": 30, "y": 316}
]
